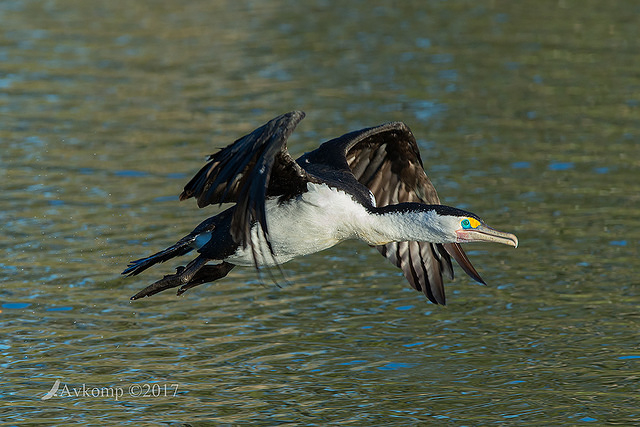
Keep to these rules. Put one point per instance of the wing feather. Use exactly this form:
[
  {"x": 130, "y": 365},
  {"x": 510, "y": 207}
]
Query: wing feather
[
  {"x": 248, "y": 171},
  {"x": 386, "y": 159}
]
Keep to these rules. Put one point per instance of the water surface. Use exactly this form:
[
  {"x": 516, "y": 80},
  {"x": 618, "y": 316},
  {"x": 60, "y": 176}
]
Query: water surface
[{"x": 527, "y": 115}]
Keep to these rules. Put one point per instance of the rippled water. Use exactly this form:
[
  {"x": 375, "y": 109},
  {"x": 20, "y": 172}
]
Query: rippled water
[{"x": 527, "y": 114}]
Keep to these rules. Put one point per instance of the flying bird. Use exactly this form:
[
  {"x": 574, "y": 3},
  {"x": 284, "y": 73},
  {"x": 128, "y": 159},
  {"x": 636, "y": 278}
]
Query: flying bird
[{"x": 369, "y": 184}]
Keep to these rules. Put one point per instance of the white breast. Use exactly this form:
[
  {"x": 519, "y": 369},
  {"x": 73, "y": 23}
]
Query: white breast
[{"x": 314, "y": 221}]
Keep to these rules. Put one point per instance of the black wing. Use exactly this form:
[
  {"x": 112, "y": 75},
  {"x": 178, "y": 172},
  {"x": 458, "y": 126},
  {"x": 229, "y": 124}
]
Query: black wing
[
  {"x": 248, "y": 171},
  {"x": 386, "y": 159}
]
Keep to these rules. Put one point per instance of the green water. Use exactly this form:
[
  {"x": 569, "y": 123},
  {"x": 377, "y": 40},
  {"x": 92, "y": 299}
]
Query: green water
[{"x": 527, "y": 113}]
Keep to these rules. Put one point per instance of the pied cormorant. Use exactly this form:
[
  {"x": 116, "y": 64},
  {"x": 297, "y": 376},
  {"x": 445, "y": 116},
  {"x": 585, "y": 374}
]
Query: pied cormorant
[{"x": 369, "y": 184}]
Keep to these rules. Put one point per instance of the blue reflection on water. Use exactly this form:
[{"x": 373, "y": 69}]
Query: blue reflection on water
[
  {"x": 165, "y": 198},
  {"x": 131, "y": 173},
  {"x": 560, "y": 166},
  {"x": 8, "y": 267},
  {"x": 423, "y": 42},
  {"x": 353, "y": 362},
  {"x": 413, "y": 344},
  {"x": 425, "y": 110},
  {"x": 393, "y": 366},
  {"x": 521, "y": 165},
  {"x": 5, "y": 83},
  {"x": 59, "y": 309},
  {"x": 16, "y": 305}
]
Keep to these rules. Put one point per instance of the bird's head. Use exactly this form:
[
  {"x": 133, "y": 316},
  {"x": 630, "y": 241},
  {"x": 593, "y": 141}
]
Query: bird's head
[
  {"x": 433, "y": 223},
  {"x": 467, "y": 227}
]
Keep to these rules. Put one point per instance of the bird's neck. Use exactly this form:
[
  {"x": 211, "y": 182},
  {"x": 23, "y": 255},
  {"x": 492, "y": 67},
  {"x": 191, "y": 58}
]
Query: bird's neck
[{"x": 406, "y": 222}]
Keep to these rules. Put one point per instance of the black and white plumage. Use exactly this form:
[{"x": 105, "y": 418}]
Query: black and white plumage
[{"x": 368, "y": 184}]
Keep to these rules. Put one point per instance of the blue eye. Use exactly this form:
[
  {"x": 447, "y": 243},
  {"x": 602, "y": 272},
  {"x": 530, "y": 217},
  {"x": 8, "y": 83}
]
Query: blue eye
[{"x": 465, "y": 224}]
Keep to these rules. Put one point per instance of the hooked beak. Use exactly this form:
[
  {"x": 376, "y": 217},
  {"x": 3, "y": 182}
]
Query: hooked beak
[{"x": 484, "y": 233}]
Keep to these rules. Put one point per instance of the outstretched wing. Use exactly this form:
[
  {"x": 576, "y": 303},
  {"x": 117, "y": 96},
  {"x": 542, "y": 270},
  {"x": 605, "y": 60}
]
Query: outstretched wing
[
  {"x": 248, "y": 171},
  {"x": 386, "y": 159}
]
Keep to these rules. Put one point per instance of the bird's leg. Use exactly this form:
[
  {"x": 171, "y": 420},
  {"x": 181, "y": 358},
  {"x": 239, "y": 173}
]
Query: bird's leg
[
  {"x": 182, "y": 277},
  {"x": 206, "y": 274}
]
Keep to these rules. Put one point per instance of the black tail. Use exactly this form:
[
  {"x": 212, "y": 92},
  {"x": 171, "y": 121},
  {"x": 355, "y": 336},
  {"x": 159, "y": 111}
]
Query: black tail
[
  {"x": 183, "y": 246},
  {"x": 139, "y": 265}
]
